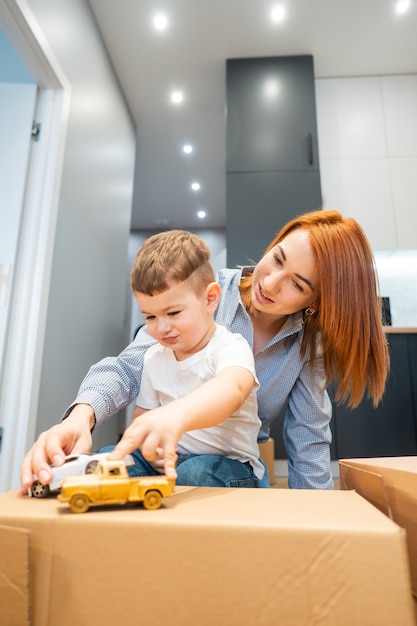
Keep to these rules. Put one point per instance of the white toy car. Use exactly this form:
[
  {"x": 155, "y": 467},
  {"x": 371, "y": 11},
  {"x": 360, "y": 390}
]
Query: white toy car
[{"x": 74, "y": 465}]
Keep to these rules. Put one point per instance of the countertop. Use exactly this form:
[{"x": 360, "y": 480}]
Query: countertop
[{"x": 400, "y": 329}]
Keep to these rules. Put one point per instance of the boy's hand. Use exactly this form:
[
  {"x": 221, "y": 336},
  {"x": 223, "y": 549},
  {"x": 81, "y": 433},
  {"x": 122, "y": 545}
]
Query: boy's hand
[
  {"x": 159, "y": 463},
  {"x": 156, "y": 433}
]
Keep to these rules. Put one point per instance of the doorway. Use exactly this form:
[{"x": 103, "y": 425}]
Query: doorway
[
  {"x": 18, "y": 101},
  {"x": 27, "y": 289}
]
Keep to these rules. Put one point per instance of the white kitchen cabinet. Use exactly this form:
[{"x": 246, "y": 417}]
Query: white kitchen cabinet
[
  {"x": 360, "y": 188},
  {"x": 350, "y": 118},
  {"x": 367, "y": 133},
  {"x": 399, "y": 94},
  {"x": 404, "y": 186}
]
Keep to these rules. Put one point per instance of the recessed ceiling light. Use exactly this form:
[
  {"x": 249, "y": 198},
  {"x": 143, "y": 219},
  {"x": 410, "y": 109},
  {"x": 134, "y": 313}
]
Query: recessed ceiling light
[
  {"x": 278, "y": 13},
  {"x": 195, "y": 186},
  {"x": 271, "y": 89},
  {"x": 160, "y": 22},
  {"x": 402, "y": 6},
  {"x": 177, "y": 97},
  {"x": 201, "y": 214},
  {"x": 187, "y": 148}
]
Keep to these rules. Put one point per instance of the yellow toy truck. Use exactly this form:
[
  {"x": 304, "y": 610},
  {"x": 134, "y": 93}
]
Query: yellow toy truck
[{"x": 110, "y": 483}]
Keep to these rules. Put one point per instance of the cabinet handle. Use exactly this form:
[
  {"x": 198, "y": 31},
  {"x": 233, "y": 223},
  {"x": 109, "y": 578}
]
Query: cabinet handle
[{"x": 310, "y": 149}]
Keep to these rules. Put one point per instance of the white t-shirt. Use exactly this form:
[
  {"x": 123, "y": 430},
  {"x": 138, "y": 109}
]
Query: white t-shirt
[{"x": 165, "y": 379}]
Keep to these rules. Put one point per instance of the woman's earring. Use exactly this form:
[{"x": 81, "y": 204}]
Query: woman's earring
[{"x": 309, "y": 311}]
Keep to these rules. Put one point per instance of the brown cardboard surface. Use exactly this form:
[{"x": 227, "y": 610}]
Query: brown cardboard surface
[
  {"x": 390, "y": 483},
  {"x": 216, "y": 557},
  {"x": 14, "y": 576}
]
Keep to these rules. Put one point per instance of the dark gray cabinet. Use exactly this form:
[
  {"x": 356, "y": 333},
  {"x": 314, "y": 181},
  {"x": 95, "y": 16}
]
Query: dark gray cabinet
[
  {"x": 388, "y": 430},
  {"x": 272, "y": 152},
  {"x": 259, "y": 204},
  {"x": 271, "y": 114},
  {"x": 412, "y": 356}
]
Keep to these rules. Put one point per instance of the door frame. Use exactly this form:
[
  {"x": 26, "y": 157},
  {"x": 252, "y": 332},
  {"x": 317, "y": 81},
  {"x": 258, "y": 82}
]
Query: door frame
[{"x": 23, "y": 351}]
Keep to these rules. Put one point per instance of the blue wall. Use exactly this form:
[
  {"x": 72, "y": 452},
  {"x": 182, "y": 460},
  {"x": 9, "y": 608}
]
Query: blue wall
[{"x": 12, "y": 69}]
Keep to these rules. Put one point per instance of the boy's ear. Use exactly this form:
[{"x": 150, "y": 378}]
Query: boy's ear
[{"x": 213, "y": 293}]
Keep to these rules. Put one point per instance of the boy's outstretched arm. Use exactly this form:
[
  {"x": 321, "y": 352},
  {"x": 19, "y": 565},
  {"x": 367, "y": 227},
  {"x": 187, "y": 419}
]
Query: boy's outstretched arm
[{"x": 209, "y": 405}]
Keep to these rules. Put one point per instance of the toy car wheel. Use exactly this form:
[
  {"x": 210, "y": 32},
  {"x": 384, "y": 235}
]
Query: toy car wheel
[
  {"x": 79, "y": 503},
  {"x": 40, "y": 491},
  {"x": 91, "y": 467},
  {"x": 152, "y": 500}
]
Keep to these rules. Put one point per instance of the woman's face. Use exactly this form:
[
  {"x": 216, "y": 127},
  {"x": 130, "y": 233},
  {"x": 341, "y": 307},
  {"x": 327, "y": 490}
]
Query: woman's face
[{"x": 285, "y": 279}]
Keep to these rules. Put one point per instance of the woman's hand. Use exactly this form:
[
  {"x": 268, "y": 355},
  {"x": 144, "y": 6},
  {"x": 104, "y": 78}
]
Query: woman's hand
[{"x": 70, "y": 436}]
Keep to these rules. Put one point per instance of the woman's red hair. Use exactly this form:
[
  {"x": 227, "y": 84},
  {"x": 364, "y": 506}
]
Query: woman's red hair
[{"x": 348, "y": 318}]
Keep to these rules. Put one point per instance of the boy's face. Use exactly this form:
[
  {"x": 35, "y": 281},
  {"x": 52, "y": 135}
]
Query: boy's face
[{"x": 179, "y": 319}]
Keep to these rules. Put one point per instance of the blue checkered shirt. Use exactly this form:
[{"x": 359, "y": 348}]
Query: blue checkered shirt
[{"x": 286, "y": 380}]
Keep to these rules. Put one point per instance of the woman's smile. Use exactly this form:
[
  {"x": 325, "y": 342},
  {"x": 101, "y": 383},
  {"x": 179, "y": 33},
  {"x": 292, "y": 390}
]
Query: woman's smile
[{"x": 261, "y": 296}]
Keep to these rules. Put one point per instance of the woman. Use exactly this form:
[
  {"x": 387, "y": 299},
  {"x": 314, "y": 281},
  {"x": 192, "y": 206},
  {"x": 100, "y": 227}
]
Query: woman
[{"x": 311, "y": 313}]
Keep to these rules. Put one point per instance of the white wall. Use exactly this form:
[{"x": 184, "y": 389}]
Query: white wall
[{"x": 87, "y": 293}]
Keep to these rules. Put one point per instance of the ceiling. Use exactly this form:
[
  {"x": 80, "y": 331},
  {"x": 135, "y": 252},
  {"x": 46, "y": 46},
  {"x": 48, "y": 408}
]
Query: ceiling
[{"x": 345, "y": 37}]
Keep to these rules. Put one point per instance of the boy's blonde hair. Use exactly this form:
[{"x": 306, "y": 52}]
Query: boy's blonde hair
[{"x": 171, "y": 257}]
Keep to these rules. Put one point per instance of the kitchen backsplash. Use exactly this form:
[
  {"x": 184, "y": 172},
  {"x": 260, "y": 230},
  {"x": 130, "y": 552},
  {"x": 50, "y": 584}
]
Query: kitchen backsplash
[{"x": 397, "y": 273}]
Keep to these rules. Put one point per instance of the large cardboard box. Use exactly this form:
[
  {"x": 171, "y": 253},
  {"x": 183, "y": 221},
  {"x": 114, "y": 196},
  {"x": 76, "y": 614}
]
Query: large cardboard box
[
  {"x": 212, "y": 557},
  {"x": 389, "y": 483}
]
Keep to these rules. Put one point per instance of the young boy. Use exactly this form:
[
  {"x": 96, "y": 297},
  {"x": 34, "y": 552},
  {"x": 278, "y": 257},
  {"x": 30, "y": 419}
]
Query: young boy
[{"x": 196, "y": 415}]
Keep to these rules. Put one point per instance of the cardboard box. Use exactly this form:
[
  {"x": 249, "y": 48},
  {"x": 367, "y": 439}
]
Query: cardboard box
[
  {"x": 218, "y": 557},
  {"x": 267, "y": 454},
  {"x": 390, "y": 484}
]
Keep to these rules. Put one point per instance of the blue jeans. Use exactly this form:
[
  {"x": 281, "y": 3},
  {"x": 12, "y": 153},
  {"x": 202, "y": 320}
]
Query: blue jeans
[
  {"x": 200, "y": 470},
  {"x": 264, "y": 484}
]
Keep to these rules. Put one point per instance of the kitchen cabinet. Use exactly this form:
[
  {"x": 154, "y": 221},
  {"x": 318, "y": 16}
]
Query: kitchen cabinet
[
  {"x": 271, "y": 114},
  {"x": 403, "y": 176},
  {"x": 350, "y": 118},
  {"x": 388, "y": 430},
  {"x": 361, "y": 188},
  {"x": 259, "y": 204},
  {"x": 399, "y": 94},
  {"x": 412, "y": 355},
  {"x": 367, "y": 134},
  {"x": 272, "y": 152}
]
